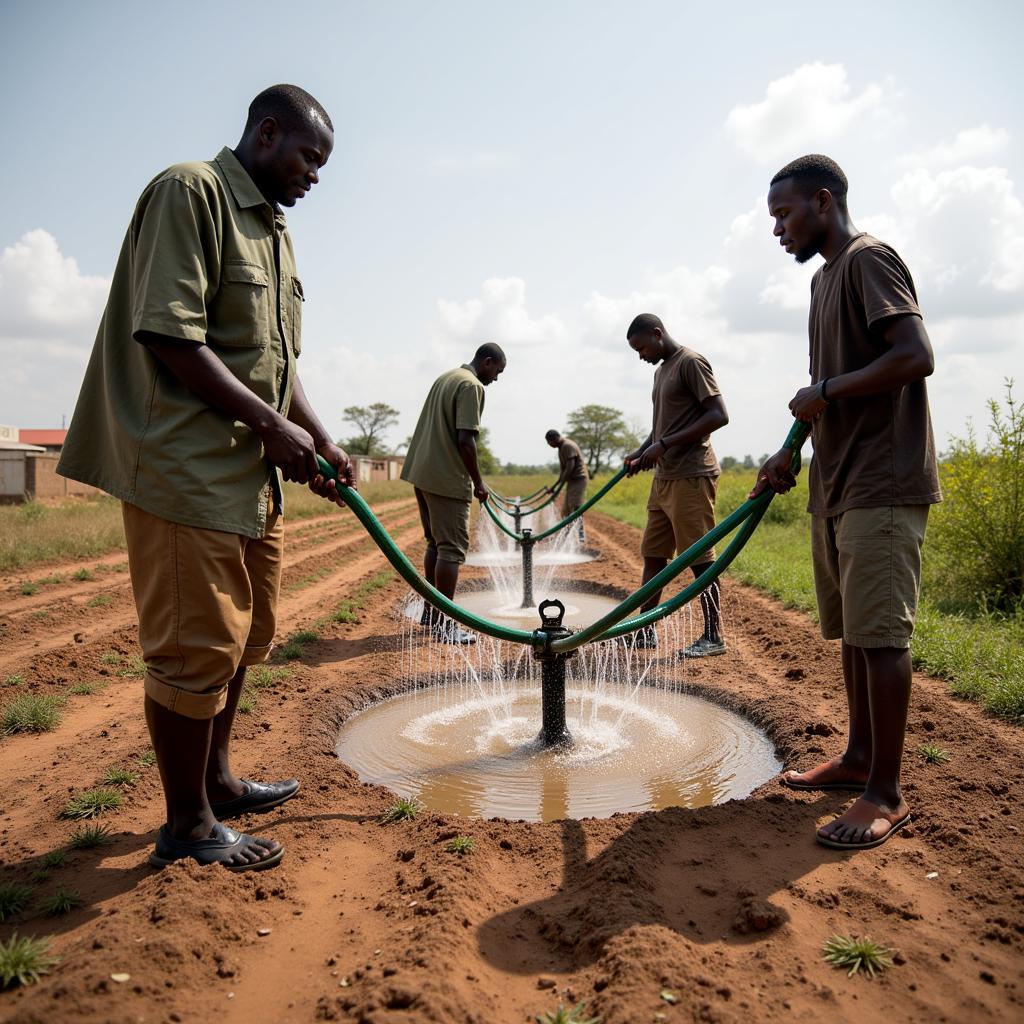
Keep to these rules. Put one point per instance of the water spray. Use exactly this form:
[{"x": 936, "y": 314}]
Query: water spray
[
  {"x": 526, "y": 544},
  {"x": 553, "y": 731}
]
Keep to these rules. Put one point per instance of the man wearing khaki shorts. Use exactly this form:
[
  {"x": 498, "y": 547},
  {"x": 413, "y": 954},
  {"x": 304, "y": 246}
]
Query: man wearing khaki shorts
[
  {"x": 572, "y": 475},
  {"x": 441, "y": 465},
  {"x": 870, "y": 484},
  {"x": 190, "y": 406},
  {"x": 688, "y": 408}
]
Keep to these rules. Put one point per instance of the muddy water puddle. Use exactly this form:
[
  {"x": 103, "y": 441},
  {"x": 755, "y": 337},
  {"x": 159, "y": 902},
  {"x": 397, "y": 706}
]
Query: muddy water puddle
[{"x": 477, "y": 754}]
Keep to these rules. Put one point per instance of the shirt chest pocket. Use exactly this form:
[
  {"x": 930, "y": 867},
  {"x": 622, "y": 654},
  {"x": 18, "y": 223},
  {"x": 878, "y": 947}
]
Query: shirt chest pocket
[{"x": 241, "y": 308}]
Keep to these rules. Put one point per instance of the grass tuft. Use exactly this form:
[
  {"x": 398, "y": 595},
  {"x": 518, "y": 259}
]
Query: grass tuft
[
  {"x": 32, "y": 713},
  {"x": 120, "y": 777},
  {"x": 85, "y": 689},
  {"x": 857, "y": 954},
  {"x": 99, "y": 601},
  {"x": 933, "y": 753},
  {"x": 14, "y": 680},
  {"x": 13, "y": 898},
  {"x": 88, "y": 837},
  {"x": 565, "y": 1015},
  {"x": 246, "y": 701},
  {"x": 63, "y": 901},
  {"x": 110, "y": 658},
  {"x": 82, "y": 575},
  {"x": 28, "y": 588},
  {"x": 147, "y": 759},
  {"x": 54, "y": 859},
  {"x": 23, "y": 961},
  {"x": 405, "y": 808},
  {"x": 92, "y": 803},
  {"x": 461, "y": 845}
]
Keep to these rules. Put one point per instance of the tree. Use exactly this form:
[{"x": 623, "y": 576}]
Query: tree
[
  {"x": 485, "y": 459},
  {"x": 602, "y": 433},
  {"x": 371, "y": 422},
  {"x": 728, "y": 462}
]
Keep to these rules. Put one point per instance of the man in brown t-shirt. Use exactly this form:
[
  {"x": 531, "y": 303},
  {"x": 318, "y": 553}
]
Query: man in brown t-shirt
[
  {"x": 681, "y": 508},
  {"x": 871, "y": 482},
  {"x": 572, "y": 475}
]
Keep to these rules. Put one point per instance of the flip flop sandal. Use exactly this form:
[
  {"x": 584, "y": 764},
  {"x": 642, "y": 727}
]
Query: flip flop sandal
[
  {"x": 871, "y": 844},
  {"x": 218, "y": 849},
  {"x": 257, "y": 798},
  {"x": 851, "y": 787}
]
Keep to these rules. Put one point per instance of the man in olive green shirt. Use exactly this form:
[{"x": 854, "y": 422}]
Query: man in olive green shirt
[
  {"x": 441, "y": 465},
  {"x": 573, "y": 475},
  {"x": 190, "y": 412}
]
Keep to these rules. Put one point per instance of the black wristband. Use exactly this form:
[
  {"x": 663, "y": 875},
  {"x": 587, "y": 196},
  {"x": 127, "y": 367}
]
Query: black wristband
[
  {"x": 821, "y": 389},
  {"x": 663, "y": 443}
]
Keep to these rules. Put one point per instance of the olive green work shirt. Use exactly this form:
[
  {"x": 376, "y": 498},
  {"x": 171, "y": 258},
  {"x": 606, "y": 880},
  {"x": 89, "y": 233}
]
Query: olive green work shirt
[
  {"x": 455, "y": 402},
  {"x": 206, "y": 259}
]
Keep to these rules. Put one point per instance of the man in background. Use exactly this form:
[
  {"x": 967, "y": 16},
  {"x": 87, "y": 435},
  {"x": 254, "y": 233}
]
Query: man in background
[
  {"x": 441, "y": 464},
  {"x": 572, "y": 475},
  {"x": 688, "y": 407}
]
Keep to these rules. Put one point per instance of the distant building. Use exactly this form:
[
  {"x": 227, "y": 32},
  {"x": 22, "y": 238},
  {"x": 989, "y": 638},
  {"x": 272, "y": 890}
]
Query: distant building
[
  {"x": 50, "y": 440},
  {"x": 370, "y": 469},
  {"x": 28, "y": 466}
]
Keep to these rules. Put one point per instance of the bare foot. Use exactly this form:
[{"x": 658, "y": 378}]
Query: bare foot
[
  {"x": 863, "y": 825},
  {"x": 834, "y": 774}
]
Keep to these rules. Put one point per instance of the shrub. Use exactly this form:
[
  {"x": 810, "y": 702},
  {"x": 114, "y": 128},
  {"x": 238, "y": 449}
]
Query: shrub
[
  {"x": 975, "y": 550},
  {"x": 92, "y": 804},
  {"x": 31, "y": 713},
  {"x": 24, "y": 960}
]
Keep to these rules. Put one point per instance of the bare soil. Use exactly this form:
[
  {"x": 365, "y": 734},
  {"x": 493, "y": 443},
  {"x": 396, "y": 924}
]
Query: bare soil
[{"x": 725, "y": 908}]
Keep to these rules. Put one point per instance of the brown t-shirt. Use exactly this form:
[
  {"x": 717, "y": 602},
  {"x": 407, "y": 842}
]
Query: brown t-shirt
[
  {"x": 681, "y": 383},
  {"x": 873, "y": 450},
  {"x": 570, "y": 461}
]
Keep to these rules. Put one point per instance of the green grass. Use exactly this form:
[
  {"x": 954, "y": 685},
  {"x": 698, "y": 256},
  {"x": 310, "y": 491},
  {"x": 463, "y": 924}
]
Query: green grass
[
  {"x": 461, "y": 845},
  {"x": 29, "y": 588},
  {"x": 110, "y": 658},
  {"x": 147, "y": 759},
  {"x": 81, "y": 575},
  {"x": 259, "y": 677},
  {"x": 99, "y": 601},
  {"x": 85, "y": 689},
  {"x": 14, "y": 680},
  {"x": 933, "y": 753},
  {"x": 348, "y": 610},
  {"x": 120, "y": 777},
  {"x": 857, "y": 954},
  {"x": 88, "y": 837},
  {"x": 63, "y": 901},
  {"x": 13, "y": 899},
  {"x": 92, "y": 803},
  {"x": 23, "y": 960},
  {"x": 405, "y": 808},
  {"x": 982, "y": 657},
  {"x": 565, "y": 1015},
  {"x": 246, "y": 701},
  {"x": 49, "y": 863},
  {"x": 88, "y": 528},
  {"x": 31, "y": 713}
]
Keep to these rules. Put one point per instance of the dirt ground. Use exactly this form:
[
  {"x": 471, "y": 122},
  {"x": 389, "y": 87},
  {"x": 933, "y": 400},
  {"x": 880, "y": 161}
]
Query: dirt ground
[{"x": 726, "y": 907}]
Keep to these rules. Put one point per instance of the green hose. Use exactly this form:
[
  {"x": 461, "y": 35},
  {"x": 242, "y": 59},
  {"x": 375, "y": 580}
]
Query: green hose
[
  {"x": 612, "y": 624},
  {"x": 522, "y": 501},
  {"x": 530, "y": 511}
]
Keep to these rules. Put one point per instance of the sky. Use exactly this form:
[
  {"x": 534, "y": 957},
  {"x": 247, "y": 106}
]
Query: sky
[{"x": 535, "y": 174}]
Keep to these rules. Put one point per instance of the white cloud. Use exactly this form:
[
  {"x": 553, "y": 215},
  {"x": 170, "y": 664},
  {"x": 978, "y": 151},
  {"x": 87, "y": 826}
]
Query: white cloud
[
  {"x": 805, "y": 111},
  {"x": 972, "y": 145},
  {"x": 499, "y": 315},
  {"x": 49, "y": 312}
]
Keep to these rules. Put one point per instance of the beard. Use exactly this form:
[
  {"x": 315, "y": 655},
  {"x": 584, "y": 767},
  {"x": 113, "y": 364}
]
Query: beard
[{"x": 807, "y": 252}]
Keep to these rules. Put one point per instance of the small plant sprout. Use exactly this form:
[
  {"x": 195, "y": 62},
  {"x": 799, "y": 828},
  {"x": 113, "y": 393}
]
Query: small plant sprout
[
  {"x": 82, "y": 575},
  {"x": 23, "y": 961},
  {"x": 857, "y": 954},
  {"x": 99, "y": 601},
  {"x": 564, "y": 1015},
  {"x": 405, "y": 808},
  {"x": 120, "y": 777},
  {"x": 32, "y": 713},
  {"x": 63, "y": 901},
  {"x": 15, "y": 680},
  {"x": 92, "y": 803},
  {"x": 54, "y": 859},
  {"x": 13, "y": 898},
  {"x": 933, "y": 753},
  {"x": 88, "y": 837},
  {"x": 110, "y": 658},
  {"x": 147, "y": 759},
  {"x": 246, "y": 702},
  {"x": 461, "y": 845}
]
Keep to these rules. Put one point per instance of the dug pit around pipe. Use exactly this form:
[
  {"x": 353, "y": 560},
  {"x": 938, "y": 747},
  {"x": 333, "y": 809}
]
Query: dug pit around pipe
[{"x": 473, "y": 750}]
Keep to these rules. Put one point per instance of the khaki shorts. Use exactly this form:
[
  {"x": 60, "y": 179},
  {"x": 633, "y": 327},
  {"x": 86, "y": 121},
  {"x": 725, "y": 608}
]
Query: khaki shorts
[
  {"x": 445, "y": 525},
  {"x": 207, "y": 604},
  {"x": 867, "y": 573},
  {"x": 575, "y": 495},
  {"x": 679, "y": 513}
]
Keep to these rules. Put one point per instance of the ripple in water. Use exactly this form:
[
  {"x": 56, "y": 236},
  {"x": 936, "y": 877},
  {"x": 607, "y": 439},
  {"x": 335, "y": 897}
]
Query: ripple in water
[{"x": 478, "y": 755}]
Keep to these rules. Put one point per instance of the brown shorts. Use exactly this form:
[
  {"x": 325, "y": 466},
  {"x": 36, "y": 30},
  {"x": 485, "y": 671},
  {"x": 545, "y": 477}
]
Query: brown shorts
[
  {"x": 575, "y": 495},
  {"x": 867, "y": 573},
  {"x": 445, "y": 525},
  {"x": 207, "y": 604},
  {"x": 679, "y": 513}
]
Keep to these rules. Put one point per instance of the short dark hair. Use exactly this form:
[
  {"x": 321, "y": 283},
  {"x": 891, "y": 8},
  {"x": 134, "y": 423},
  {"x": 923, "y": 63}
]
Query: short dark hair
[
  {"x": 551, "y": 435},
  {"x": 812, "y": 172},
  {"x": 291, "y": 106},
  {"x": 645, "y": 323},
  {"x": 489, "y": 350}
]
